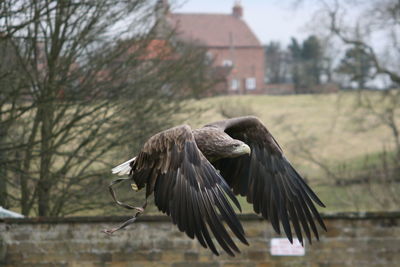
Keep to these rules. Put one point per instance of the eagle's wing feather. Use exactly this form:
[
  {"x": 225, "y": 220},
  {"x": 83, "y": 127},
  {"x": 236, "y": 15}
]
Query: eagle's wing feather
[
  {"x": 188, "y": 188},
  {"x": 268, "y": 180}
]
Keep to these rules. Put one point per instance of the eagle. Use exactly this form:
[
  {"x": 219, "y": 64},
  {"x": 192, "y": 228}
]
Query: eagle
[{"x": 196, "y": 174}]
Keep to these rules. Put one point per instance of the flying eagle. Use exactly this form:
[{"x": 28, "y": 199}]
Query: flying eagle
[{"x": 195, "y": 173}]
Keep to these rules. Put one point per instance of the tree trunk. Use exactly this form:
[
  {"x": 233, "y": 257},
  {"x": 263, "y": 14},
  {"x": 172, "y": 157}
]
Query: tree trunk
[
  {"x": 44, "y": 184},
  {"x": 3, "y": 171}
]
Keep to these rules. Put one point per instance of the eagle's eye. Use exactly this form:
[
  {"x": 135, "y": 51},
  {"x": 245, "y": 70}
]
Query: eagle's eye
[{"x": 236, "y": 145}]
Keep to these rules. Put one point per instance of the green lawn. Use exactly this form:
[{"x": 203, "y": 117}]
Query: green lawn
[{"x": 323, "y": 121}]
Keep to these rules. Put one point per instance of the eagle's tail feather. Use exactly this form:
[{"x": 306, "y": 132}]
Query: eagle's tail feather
[{"x": 124, "y": 168}]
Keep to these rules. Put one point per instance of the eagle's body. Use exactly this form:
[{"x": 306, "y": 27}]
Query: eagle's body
[{"x": 193, "y": 173}]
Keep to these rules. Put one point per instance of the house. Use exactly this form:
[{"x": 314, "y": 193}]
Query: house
[{"x": 230, "y": 44}]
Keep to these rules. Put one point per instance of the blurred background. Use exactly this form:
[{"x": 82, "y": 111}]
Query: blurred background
[{"x": 84, "y": 83}]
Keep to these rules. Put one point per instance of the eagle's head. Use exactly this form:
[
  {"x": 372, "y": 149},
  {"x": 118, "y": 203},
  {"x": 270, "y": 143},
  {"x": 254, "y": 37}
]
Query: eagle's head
[
  {"x": 238, "y": 148},
  {"x": 230, "y": 148}
]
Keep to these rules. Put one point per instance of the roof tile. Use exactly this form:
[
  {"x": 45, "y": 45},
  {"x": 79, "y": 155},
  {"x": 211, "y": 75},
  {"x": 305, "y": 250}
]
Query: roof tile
[{"x": 215, "y": 30}]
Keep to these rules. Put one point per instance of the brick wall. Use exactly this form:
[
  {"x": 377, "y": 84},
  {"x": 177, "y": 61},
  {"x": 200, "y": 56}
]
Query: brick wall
[
  {"x": 353, "y": 239},
  {"x": 249, "y": 63}
]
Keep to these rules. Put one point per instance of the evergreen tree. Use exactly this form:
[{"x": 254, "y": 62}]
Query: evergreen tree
[
  {"x": 306, "y": 63},
  {"x": 296, "y": 59},
  {"x": 312, "y": 60},
  {"x": 276, "y": 65},
  {"x": 357, "y": 64}
]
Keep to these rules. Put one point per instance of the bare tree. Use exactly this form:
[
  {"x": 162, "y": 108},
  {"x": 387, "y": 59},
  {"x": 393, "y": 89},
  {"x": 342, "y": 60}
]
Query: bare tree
[
  {"x": 380, "y": 18},
  {"x": 357, "y": 26},
  {"x": 94, "y": 78}
]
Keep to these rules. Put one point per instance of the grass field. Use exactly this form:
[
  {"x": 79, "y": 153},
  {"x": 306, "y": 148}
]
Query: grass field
[
  {"x": 323, "y": 128},
  {"x": 321, "y": 120}
]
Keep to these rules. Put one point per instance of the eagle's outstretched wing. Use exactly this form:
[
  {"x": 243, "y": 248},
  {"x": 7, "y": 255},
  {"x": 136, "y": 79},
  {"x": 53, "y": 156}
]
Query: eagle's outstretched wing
[
  {"x": 188, "y": 188},
  {"x": 268, "y": 180}
]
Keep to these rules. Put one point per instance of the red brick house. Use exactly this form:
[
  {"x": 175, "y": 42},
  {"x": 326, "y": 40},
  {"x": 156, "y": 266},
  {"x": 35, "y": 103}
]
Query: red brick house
[{"x": 230, "y": 43}]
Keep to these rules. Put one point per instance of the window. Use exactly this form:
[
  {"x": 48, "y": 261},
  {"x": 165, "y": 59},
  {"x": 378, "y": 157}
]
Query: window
[
  {"x": 251, "y": 83},
  {"x": 227, "y": 63},
  {"x": 209, "y": 57},
  {"x": 235, "y": 84}
]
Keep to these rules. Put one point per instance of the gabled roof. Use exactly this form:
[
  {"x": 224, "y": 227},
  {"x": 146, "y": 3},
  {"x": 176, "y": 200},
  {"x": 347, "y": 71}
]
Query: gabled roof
[{"x": 214, "y": 30}]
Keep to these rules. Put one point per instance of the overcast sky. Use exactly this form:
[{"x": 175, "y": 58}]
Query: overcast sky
[{"x": 271, "y": 20}]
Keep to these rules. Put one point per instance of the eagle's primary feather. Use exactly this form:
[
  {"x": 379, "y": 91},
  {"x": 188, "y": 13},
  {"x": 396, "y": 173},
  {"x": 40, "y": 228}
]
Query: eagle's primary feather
[{"x": 194, "y": 174}]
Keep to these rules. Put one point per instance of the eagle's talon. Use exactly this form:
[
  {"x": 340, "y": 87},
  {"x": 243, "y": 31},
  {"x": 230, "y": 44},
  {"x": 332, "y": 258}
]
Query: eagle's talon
[
  {"x": 139, "y": 209},
  {"x": 109, "y": 231}
]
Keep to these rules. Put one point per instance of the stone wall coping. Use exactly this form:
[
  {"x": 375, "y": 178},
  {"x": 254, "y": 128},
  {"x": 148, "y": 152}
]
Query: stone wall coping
[{"x": 164, "y": 218}]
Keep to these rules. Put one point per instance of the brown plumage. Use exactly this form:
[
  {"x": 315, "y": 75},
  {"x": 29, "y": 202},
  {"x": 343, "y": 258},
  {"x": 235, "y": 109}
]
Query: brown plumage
[{"x": 194, "y": 173}]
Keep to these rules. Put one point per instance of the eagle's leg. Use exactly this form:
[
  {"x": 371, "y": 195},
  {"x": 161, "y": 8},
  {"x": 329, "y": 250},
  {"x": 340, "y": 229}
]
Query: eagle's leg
[
  {"x": 128, "y": 222},
  {"x": 139, "y": 210},
  {"x": 114, "y": 196}
]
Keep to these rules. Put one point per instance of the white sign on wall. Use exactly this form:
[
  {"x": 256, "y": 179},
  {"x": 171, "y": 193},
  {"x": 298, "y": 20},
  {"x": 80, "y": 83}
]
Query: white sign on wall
[{"x": 282, "y": 247}]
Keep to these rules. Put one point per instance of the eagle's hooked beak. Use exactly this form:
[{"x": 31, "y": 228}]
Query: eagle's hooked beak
[{"x": 243, "y": 149}]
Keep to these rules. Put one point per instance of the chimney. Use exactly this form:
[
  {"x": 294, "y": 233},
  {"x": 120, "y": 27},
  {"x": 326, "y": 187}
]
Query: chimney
[{"x": 237, "y": 10}]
